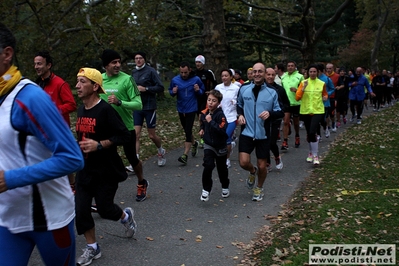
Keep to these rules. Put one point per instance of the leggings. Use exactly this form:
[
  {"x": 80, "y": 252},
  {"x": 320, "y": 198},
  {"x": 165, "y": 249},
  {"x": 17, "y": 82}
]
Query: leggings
[
  {"x": 312, "y": 124},
  {"x": 56, "y": 247},
  {"x": 187, "y": 122},
  {"x": 359, "y": 108}
]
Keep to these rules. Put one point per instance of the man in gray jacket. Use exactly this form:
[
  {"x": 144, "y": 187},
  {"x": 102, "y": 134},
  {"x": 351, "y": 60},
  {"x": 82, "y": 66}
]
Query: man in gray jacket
[{"x": 149, "y": 84}]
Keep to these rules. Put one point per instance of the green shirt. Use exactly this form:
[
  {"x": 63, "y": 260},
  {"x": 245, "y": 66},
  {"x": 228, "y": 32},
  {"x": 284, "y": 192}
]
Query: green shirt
[
  {"x": 125, "y": 89},
  {"x": 291, "y": 80}
]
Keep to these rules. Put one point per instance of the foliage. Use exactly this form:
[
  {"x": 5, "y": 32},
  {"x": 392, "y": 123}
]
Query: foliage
[{"x": 347, "y": 200}]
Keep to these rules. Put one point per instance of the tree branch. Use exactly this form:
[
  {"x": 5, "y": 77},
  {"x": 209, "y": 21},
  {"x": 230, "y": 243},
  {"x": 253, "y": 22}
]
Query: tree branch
[
  {"x": 294, "y": 42},
  {"x": 268, "y": 43},
  {"x": 333, "y": 19},
  {"x": 64, "y": 14},
  {"x": 271, "y": 9},
  {"x": 184, "y": 13}
]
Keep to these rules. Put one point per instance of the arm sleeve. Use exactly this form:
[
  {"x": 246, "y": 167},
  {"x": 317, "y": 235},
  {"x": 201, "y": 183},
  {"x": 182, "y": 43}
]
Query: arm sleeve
[
  {"x": 35, "y": 115},
  {"x": 330, "y": 87},
  {"x": 134, "y": 102},
  {"x": 171, "y": 85},
  {"x": 299, "y": 92},
  {"x": 201, "y": 86},
  {"x": 121, "y": 133},
  {"x": 157, "y": 85},
  {"x": 324, "y": 92},
  {"x": 68, "y": 102},
  {"x": 277, "y": 112}
]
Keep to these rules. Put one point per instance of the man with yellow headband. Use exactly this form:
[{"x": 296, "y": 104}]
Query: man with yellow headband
[
  {"x": 37, "y": 152},
  {"x": 100, "y": 129}
]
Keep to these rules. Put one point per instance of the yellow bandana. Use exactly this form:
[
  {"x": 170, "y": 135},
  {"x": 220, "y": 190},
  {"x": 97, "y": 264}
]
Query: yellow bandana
[{"x": 9, "y": 80}]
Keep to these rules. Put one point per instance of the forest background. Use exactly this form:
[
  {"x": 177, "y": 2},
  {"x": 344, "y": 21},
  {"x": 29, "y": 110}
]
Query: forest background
[{"x": 228, "y": 33}]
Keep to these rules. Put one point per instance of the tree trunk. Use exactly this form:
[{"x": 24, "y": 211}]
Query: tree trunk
[
  {"x": 214, "y": 40},
  {"x": 382, "y": 19}
]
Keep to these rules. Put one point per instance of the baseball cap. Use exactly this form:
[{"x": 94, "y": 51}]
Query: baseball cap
[{"x": 92, "y": 74}]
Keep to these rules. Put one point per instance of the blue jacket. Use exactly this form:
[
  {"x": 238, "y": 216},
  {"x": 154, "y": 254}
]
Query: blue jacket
[
  {"x": 356, "y": 92},
  {"x": 186, "y": 95},
  {"x": 267, "y": 100},
  {"x": 329, "y": 87}
]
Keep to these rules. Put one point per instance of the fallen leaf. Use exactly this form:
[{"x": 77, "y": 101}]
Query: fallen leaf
[
  {"x": 219, "y": 246},
  {"x": 188, "y": 230},
  {"x": 149, "y": 238}
]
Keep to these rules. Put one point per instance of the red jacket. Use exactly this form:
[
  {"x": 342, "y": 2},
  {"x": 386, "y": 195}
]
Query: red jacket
[
  {"x": 334, "y": 78},
  {"x": 60, "y": 94}
]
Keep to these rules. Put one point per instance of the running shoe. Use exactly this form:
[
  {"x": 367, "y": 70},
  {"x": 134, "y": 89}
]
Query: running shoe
[
  {"x": 359, "y": 121},
  {"x": 316, "y": 160},
  {"x": 93, "y": 208},
  {"x": 204, "y": 195},
  {"x": 161, "y": 158},
  {"x": 297, "y": 142},
  {"x": 130, "y": 169},
  {"x": 269, "y": 168},
  {"x": 194, "y": 148},
  {"x": 225, "y": 192},
  {"x": 284, "y": 146},
  {"x": 309, "y": 159},
  {"x": 233, "y": 144},
  {"x": 89, "y": 254},
  {"x": 334, "y": 129},
  {"x": 258, "y": 194},
  {"x": 353, "y": 118},
  {"x": 327, "y": 133},
  {"x": 251, "y": 178},
  {"x": 228, "y": 164},
  {"x": 183, "y": 159},
  {"x": 344, "y": 119},
  {"x": 142, "y": 190},
  {"x": 338, "y": 124},
  {"x": 279, "y": 163},
  {"x": 130, "y": 225},
  {"x": 201, "y": 143}
]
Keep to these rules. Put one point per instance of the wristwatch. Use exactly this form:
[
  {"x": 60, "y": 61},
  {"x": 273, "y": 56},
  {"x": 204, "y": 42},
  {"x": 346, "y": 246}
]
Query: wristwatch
[
  {"x": 99, "y": 146},
  {"x": 119, "y": 103},
  {"x": 146, "y": 88}
]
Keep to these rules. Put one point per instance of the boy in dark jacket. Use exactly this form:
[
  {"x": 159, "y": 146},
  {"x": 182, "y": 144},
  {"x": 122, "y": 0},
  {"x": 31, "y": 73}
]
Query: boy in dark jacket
[{"x": 213, "y": 131}]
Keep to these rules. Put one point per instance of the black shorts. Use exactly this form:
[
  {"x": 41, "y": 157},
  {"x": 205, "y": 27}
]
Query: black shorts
[
  {"x": 294, "y": 110},
  {"x": 247, "y": 144}
]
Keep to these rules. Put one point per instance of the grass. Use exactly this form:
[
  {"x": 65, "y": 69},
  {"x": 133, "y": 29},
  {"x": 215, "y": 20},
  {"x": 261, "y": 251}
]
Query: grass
[{"x": 345, "y": 201}]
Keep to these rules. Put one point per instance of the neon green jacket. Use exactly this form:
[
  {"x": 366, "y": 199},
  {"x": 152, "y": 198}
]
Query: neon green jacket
[{"x": 291, "y": 80}]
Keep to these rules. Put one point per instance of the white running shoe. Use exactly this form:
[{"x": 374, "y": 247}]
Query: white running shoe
[
  {"x": 228, "y": 163},
  {"x": 161, "y": 158},
  {"x": 204, "y": 195},
  {"x": 279, "y": 163},
  {"x": 225, "y": 192}
]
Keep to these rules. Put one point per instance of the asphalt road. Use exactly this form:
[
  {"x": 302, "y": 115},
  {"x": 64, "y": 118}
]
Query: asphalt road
[{"x": 172, "y": 219}]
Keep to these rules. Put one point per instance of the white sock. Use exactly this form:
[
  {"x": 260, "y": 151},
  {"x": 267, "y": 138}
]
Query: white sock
[
  {"x": 94, "y": 245},
  {"x": 124, "y": 220},
  {"x": 138, "y": 156},
  {"x": 315, "y": 148}
]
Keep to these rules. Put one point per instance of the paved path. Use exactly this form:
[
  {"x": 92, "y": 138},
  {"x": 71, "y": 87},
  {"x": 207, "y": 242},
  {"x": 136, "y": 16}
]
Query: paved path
[{"x": 172, "y": 217}]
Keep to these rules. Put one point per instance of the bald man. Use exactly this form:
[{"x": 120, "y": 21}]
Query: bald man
[{"x": 264, "y": 100}]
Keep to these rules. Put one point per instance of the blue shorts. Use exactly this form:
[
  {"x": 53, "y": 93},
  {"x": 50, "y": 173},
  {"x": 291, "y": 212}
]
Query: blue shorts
[
  {"x": 230, "y": 131},
  {"x": 56, "y": 247},
  {"x": 150, "y": 117}
]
